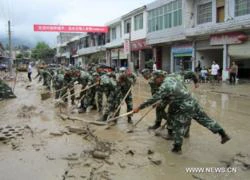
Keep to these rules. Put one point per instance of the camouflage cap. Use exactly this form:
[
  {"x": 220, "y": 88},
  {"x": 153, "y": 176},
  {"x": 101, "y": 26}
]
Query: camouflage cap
[
  {"x": 145, "y": 72},
  {"x": 159, "y": 73}
]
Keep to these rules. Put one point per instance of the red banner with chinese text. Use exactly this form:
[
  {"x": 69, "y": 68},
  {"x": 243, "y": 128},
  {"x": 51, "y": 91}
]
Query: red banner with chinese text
[{"x": 61, "y": 28}]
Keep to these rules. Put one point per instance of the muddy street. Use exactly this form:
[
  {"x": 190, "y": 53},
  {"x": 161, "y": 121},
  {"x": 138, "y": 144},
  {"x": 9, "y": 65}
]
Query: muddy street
[{"x": 41, "y": 141}]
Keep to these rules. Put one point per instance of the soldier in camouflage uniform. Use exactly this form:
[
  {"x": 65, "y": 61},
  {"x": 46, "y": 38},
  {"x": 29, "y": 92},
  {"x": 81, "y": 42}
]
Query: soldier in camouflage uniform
[
  {"x": 58, "y": 80},
  {"x": 47, "y": 77},
  {"x": 108, "y": 84},
  {"x": 69, "y": 80},
  {"x": 125, "y": 81},
  {"x": 83, "y": 79},
  {"x": 5, "y": 91},
  {"x": 98, "y": 92},
  {"x": 182, "y": 108},
  {"x": 160, "y": 109}
]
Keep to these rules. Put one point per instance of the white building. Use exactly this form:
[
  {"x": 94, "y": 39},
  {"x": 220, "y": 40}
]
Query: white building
[{"x": 183, "y": 32}]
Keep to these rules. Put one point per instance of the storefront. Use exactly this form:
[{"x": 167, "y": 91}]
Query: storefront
[
  {"x": 140, "y": 53},
  {"x": 234, "y": 47},
  {"x": 240, "y": 53},
  {"x": 182, "y": 57},
  {"x": 118, "y": 58}
]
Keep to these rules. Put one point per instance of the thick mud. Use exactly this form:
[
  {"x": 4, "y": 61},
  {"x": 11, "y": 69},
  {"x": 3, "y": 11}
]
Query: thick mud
[{"x": 37, "y": 143}]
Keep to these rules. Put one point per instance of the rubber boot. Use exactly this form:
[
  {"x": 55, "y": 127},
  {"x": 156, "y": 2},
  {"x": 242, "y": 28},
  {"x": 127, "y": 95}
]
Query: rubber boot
[
  {"x": 176, "y": 149},
  {"x": 224, "y": 136},
  {"x": 170, "y": 135},
  {"x": 130, "y": 120},
  {"x": 155, "y": 126}
]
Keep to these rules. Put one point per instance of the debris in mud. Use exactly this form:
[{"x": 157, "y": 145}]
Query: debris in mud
[
  {"x": 100, "y": 155},
  {"x": 8, "y": 132},
  {"x": 150, "y": 152},
  {"x": 71, "y": 157},
  {"x": 56, "y": 133},
  {"x": 155, "y": 161},
  {"x": 122, "y": 165},
  {"x": 77, "y": 130},
  {"x": 30, "y": 129},
  {"x": 241, "y": 161},
  {"x": 131, "y": 152},
  {"x": 5, "y": 91},
  {"x": 26, "y": 111},
  {"x": 50, "y": 158}
]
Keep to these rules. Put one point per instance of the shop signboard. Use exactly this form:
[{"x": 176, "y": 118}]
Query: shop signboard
[
  {"x": 139, "y": 45},
  {"x": 126, "y": 46},
  {"x": 182, "y": 50},
  {"x": 228, "y": 38}
]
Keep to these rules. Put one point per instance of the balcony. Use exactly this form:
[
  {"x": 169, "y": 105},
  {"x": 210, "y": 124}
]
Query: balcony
[
  {"x": 216, "y": 28},
  {"x": 114, "y": 43},
  {"x": 90, "y": 50}
]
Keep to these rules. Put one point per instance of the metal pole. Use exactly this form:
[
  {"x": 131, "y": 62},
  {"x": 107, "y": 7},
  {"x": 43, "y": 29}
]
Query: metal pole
[
  {"x": 130, "y": 63},
  {"x": 10, "y": 48}
]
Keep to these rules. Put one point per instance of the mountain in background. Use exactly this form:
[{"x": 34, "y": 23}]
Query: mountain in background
[{"x": 16, "y": 42}]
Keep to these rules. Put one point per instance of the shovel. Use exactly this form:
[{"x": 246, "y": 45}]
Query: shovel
[
  {"x": 131, "y": 130},
  {"x": 117, "y": 109},
  {"x": 115, "y": 118}
]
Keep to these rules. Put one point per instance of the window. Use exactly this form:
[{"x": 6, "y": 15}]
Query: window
[
  {"x": 127, "y": 24},
  {"x": 165, "y": 17},
  {"x": 204, "y": 13},
  {"x": 220, "y": 11},
  {"x": 138, "y": 21},
  {"x": 113, "y": 33},
  {"x": 242, "y": 7}
]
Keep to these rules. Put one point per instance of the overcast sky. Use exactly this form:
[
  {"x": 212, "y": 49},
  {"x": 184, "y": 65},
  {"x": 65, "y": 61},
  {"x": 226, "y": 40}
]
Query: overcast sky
[{"x": 24, "y": 13}]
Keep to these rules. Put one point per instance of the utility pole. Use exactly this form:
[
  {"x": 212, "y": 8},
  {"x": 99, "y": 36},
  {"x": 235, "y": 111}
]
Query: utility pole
[
  {"x": 10, "y": 48},
  {"x": 130, "y": 62}
]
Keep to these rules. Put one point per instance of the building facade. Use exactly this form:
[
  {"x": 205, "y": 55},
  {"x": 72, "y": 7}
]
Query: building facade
[
  {"x": 185, "y": 32},
  {"x": 175, "y": 34}
]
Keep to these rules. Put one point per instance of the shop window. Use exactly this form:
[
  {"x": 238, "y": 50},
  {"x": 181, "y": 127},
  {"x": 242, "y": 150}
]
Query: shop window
[
  {"x": 242, "y": 7},
  {"x": 138, "y": 21},
  {"x": 204, "y": 13}
]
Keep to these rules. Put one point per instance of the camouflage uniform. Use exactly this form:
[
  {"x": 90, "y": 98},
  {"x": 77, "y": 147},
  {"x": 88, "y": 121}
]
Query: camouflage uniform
[
  {"x": 160, "y": 109},
  {"x": 69, "y": 82},
  {"x": 47, "y": 77},
  {"x": 109, "y": 87},
  {"x": 5, "y": 91},
  {"x": 58, "y": 83},
  {"x": 182, "y": 108},
  {"x": 83, "y": 79},
  {"x": 125, "y": 81}
]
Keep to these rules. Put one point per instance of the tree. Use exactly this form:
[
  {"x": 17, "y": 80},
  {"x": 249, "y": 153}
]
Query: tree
[
  {"x": 42, "y": 51},
  {"x": 19, "y": 56}
]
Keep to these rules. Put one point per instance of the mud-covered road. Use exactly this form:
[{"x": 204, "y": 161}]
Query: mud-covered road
[{"x": 37, "y": 142}]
